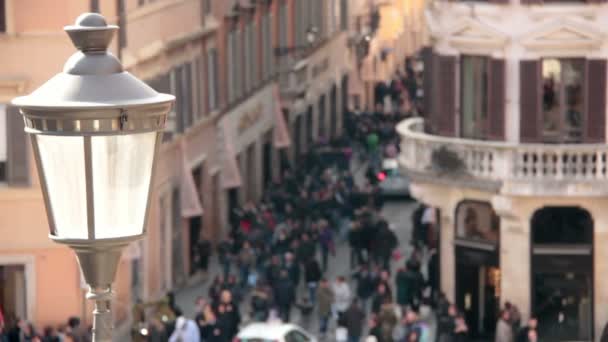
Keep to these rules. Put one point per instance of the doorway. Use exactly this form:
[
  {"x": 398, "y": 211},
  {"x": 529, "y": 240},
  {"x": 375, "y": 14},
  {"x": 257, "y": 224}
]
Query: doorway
[
  {"x": 13, "y": 298},
  {"x": 562, "y": 273},
  {"x": 333, "y": 115},
  {"x": 477, "y": 266},
  {"x": 309, "y": 131},
  {"x": 322, "y": 119},
  {"x": 267, "y": 160},
  {"x": 298, "y": 137}
]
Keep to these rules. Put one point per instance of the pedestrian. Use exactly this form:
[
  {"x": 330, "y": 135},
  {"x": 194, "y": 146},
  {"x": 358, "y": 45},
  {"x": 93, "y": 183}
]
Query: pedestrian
[
  {"x": 77, "y": 332},
  {"x": 246, "y": 260},
  {"x": 354, "y": 319},
  {"x": 365, "y": 286},
  {"x": 325, "y": 298},
  {"x": 514, "y": 315},
  {"x": 203, "y": 252},
  {"x": 387, "y": 318},
  {"x": 211, "y": 330},
  {"x": 312, "y": 276},
  {"x": 381, "y": 296},
  {"x": 522, "y": 335},
  {"x": 461, "y": 330},
  {"x": 446, "y": 324},
  {"x": 185, "y": 331},
  {"x": 284, "y": 295},
  {"x": 342, "y": 296},
  {"x": 293, "y": 269},
  {"x": 306, "y": 308},
  {"x": 401, "y": 283},
  {"x": 326, "y": 240},
  {"x": 504, "y": 330},
  {"x": 260, "y": 303},
  {"x": 224, "y": 251},
  {"x": 228, "y": 315}
]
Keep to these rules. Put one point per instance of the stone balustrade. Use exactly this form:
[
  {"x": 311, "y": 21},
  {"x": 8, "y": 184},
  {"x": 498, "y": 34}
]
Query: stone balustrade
[{"x": 517, "y": 168}]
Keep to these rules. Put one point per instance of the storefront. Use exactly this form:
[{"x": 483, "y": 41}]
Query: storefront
[
  {"x": 562, "y": 273},
  {"x": 250, "y": 138},
  {"x": 477, "y": 242}
]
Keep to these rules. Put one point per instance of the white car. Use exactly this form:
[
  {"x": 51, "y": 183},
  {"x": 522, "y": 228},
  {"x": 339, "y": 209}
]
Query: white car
[
  {"x": 274, "y": 332},
  {"x": 392, "y": 183}
]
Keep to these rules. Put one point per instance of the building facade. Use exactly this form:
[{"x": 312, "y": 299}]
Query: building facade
[
  {"x": 383, "y": 33},
  {"x": 512, "y": 155},
  {"x": 247, "y": 81}
]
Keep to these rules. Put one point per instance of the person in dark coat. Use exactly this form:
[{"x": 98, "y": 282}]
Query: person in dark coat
[
  {"x": 228, "y": 315},
  {"x": 284, "y": 295},
  {"x": 522, "y": 335},
  {"x": 385, "y": 242},
  {"x": 312, "y": 276},
  {"x": 353, "y": 319},
  {"x": 273, "y": 270},
  {"x": 401, "y": 284},
  {"x": 307, "y": 249},
  {"x": 293, "y": 269},
  {"x": 260, "y": 303},
  {"x": 365, "y": 286},
  {"x": 380, "y": 297},
  {"x": 204, "y": 252}
]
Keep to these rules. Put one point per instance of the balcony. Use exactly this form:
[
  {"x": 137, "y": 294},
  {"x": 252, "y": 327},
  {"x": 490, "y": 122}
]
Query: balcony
[
  {"x": 293, "y": 80},
  {"x": 504, "y": 167}
]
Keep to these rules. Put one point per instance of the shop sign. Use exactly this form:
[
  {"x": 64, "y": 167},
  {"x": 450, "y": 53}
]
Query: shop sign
[
  {"x": 249, "y": 119},
  {"x": 321, "y": 67}
]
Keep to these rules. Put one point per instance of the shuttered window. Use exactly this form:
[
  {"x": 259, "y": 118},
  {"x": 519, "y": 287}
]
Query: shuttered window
[
  {"x": 595, "y": 123},
  {"x": 496, "y": 100},
  {"x": 473, "y": 97},
  {"x": 16, "y": 164},
  {"x": 344, "y": 15},
  {"x": 255, "y": 64},
  {"x": 447, "y": 95},
  {"x": 2, "y": 15},
  {"x": 3, "y": 142},
  {"x": 231, "y": 70},
  {"x": 238, "y": 64},
  {"x": 530, "y": 104},
  {"x": 265, "y": 44},
  {"x": 212, "y": 79}
]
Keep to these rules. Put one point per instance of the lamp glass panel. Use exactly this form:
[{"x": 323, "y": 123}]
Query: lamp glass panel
[
  {"x": 122, "y": 168},
  {"x": 62, "y": 161}
]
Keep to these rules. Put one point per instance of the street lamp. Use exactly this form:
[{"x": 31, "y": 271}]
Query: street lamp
[{"x": 95, "y": 130}]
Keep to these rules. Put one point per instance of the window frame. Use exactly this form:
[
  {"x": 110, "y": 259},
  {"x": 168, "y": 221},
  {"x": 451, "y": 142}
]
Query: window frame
[
  {"x": 212, "y": 79},
  {"x": 561, "y": 134},
  {"x": 480, "y": 115}
]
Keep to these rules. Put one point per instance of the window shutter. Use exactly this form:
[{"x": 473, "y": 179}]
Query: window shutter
[
  {"x": 496, "y": 100},
  {"x": 18, "y": 172},
  {"x": 427, "y": 82},
  {"x": 530, "y": 106},
  {"x": 595, "y": 123},
  {"x": 447, "y": 95}
]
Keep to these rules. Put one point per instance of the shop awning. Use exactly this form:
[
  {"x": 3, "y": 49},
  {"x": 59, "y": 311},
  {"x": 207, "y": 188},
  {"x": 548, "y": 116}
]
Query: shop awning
[
  {"x": 230, "y": 174},
  {"x": 281, "y": 137},
  {"x": 189, "y": 198}
]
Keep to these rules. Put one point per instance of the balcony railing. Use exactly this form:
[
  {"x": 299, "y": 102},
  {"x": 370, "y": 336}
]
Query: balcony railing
[{"x": 520, "y": 168}]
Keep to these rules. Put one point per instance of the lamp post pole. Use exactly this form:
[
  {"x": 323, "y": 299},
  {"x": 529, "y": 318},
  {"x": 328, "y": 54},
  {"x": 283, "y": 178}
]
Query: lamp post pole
[{"x": 95, "y": 130}]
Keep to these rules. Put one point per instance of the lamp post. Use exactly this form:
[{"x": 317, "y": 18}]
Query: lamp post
[{"x": 95, "y": 130}]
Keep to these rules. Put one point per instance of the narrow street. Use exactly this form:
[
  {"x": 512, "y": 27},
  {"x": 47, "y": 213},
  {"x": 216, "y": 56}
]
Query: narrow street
[{"x": 398, "y": 214}]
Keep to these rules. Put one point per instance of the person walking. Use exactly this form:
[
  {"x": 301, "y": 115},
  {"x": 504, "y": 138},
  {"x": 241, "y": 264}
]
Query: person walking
[
  {"x": 185, "y": 330},
  {"x": 246, "y": 262},
  {"x": 284, "y": 294},
  {"x": 342, "y": 296},
  {"x": 312, "y": 276},
  {"x": 504, "y": 330},
  {"x": 522, "y": 335},
  {"x": 325, "y": 298},
  {"x": 354, "y": 319}
]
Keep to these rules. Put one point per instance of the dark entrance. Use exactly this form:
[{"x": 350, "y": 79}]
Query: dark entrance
[
  {"x": 309, "y": 132},
  {"x": 267, "y": 159},
  {"x": 562, "y": 273},
  {"x": 178, "y": 270},
  {"x": 298, "y": 136},
  {"x": 477, "y": 266},
  {"x": 195, "y": 223},
  {"x": 322, "y": 118},
  {"x": 333, "y": 115}
]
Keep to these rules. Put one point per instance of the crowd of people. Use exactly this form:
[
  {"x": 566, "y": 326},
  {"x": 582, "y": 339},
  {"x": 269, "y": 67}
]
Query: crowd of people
[{"x": 19, "y": 330}]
